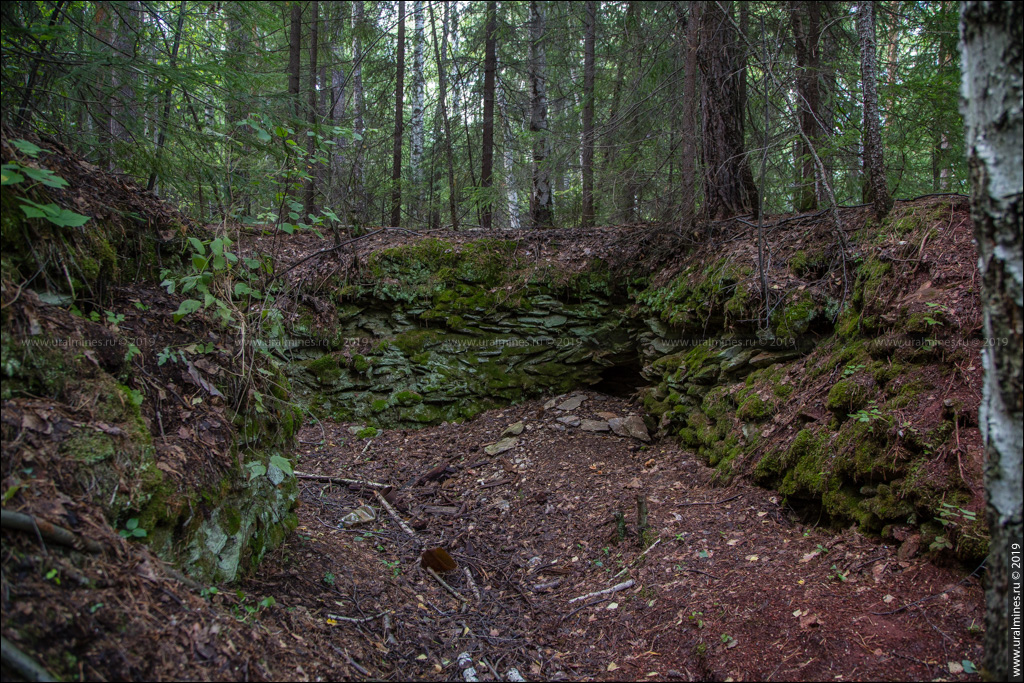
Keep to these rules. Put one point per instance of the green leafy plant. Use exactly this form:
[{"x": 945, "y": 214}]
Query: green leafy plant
[
  {"x": 839, "y": 575},
  {"x": 852, "y": 369},
  {"x": 132, "y": 529},
  {"x": 53, "y": 575},
  {"x": 959, "y": 523},
  {"x": 868, "y": 415},
  {"x": 16, "y": 173},
  {"x": 329, "y": 578}
]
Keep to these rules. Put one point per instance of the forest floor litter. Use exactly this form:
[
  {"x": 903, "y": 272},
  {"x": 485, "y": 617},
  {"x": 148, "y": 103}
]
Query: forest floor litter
[{"x": 728, "y": 584}]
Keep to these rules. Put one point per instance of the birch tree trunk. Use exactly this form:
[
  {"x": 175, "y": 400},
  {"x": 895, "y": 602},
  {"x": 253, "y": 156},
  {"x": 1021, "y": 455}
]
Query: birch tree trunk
[
  {"x": 396, "y": 163},
  {"x": 874, "y": 164},
  {"x": 541, "y": 200},
  {"x": 991, "y": 38},
  {"x": 416, "y": 134}
]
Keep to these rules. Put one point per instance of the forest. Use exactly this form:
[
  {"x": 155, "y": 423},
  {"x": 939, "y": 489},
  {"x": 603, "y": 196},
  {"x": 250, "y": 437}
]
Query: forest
[{"x": 511, "y": 340}]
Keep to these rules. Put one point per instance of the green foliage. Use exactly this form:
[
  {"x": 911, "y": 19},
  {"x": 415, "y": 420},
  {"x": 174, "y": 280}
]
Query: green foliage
[
  {"x": 15, "y": 173},
  {"x": 132, "y": 529}
]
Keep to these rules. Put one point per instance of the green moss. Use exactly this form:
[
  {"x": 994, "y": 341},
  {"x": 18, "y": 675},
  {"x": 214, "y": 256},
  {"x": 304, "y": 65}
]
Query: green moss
[
  {"x": 795, "y": 317},
  {"x": 366, "y": 433},
  {"x": 753, "y": 409},
  {"x": 325, "y": 368},
  {"x": 407, "y": 398},
  {"x": 783, "y": 391},
  {"x": 846, "y": 396},
  {"x": 379, "y": 405},
  {"x": 903, "y": 225},
  {"x": 871, "y": 276},
  {"x": 803, "y": 263}
]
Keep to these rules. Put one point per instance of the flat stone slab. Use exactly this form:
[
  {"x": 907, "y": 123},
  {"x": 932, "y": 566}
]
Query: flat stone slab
[
  {"x": 513, "y": 429},
  {"x": 632, "y": 426},
  {"x": 572, "y": 403},
  {"x": 505, "y": 444},
  {"x": 606, "y": 415},
  {"x": 594, "y": 426},
  {"x": 570, "y": 420}
]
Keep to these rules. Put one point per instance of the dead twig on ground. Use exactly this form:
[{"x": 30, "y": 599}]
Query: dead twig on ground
[
  {"x": 340, "y": 480},
  {"x": 607, "y": 591},
  {"x": 51, "y": 532}
]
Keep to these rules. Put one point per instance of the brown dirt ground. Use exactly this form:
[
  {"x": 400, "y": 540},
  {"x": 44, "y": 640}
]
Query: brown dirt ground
[{"x": 734, "y": 587}]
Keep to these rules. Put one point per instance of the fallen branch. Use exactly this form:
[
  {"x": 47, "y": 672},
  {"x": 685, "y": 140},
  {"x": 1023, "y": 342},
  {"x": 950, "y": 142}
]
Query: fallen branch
[
  {"x": 340, "y": 480},
  {"x": 51, "y": 532},
  {"x": 444, "y": 585},
  {"x": 22, "y": 663},
  {"x": 637, "y": 558},
  {"x": 468, "y": 670},
  {"x": 472, "y": 583},
  {"x": 355, "y": 620},
  {"x": 394, "y": 515},
  {"x": 714, "y": 502},
  {"x": 546, "y": 586},
  {"x": 607, "y": 591}
]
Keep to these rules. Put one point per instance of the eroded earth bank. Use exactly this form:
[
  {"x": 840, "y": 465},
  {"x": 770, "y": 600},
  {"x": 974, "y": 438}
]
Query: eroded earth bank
[{"x": 809, "y": 461}]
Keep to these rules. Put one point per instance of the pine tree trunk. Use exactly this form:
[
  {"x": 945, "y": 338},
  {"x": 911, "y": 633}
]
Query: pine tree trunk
[
  {"x": 805, "y": 17},
  {"x": 729, "y": 184},
  {"x": 294, "y": 56},
  {"x": 340, "y": 172},
  {"x": 688, "y": 133},
  {"x": 589, "y": 72},
  {"x": 358, "y": 125},
  {"x": 874, "y": 164},
  {"x": 487, "y": 153},
  {"x": 396, "y": 165},
  {"x": 508, "y": 157},
  {"x": 311, "y": 114},
  {"x": 541, "y": 200},
  {"x": 991, "y": 38}
]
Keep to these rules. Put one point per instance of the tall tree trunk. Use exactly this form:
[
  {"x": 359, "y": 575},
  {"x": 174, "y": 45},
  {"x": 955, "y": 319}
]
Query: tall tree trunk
[
  {"x": 874, "y": 164},
  {"x": 416, "y": 138},
  {"x": 541, "y": 200},
  {"x": 235, "y": 104},
  {"x": 358, "y": 125},
  {"x": 312, "y": 114},
  {"x": 991, "y": 38},
  {"x": 509, "y": 163},
  {"x": 295, "y": 56},
  {"x": 396, "y": 165},
  {"x": 729, "y": 188},
  {"x": 805, "y": 16},
  {"x": 166, "y": 114},
  {"x": 440, "y": 50},
  {"x": 688, "y": 143},
  {"x": 487, "y": 153},
  {"x": 338, "y": 185},
  {"x": 589, "y": 71}
]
